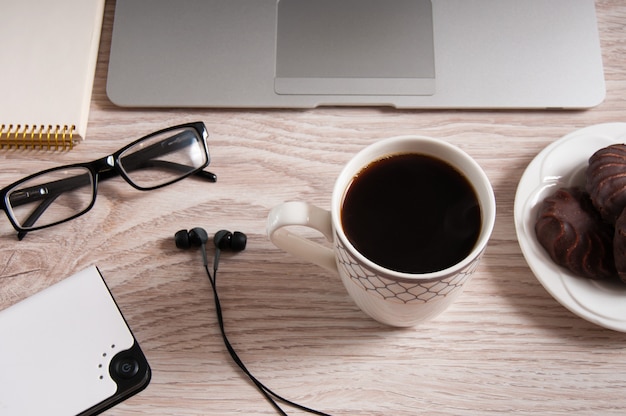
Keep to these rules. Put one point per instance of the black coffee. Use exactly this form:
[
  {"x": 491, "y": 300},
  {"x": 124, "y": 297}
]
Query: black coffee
[{"x": 411, "y": 213}]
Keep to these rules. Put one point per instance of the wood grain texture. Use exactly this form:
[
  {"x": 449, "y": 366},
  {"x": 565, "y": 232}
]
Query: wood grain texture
[{"x": 506, "y": 346}]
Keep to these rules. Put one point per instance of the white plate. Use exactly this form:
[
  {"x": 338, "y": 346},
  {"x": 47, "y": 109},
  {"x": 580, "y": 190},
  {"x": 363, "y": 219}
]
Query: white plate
[{"x": 563, "y": 164}]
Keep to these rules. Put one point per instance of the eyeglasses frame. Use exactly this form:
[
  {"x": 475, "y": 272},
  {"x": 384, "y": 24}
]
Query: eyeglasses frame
[{"x": 105, "y": 168}]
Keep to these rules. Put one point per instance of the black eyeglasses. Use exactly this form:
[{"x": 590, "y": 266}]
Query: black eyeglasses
[{"x": 60, "y": 194}]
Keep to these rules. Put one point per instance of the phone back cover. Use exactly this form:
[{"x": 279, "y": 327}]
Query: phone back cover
[{"x": 57, "y": 347}]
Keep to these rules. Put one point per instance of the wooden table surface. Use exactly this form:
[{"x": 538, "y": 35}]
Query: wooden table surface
[{"x": 506, "y": 346}]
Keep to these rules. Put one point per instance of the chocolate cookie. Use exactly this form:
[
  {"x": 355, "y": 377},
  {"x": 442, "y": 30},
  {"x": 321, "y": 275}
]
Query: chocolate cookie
[
  {"x": 574, "y": 235},
  {"x": 619, "y": 246},
  {"x": 606, "y": 181}
]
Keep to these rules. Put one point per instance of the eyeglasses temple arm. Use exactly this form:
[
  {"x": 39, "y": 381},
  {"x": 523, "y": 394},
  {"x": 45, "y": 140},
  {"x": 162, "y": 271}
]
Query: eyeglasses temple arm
[
  {"x": 210, "y": 176},
  {"x": 49, "y": 190},
  {"x": 163, "y": 164},
  {"x": 34, "y": 216},
  {"x": 55, "y": 188}
]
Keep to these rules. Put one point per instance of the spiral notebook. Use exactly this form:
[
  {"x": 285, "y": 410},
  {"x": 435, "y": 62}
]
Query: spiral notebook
[{"x": 49, "y": 51}]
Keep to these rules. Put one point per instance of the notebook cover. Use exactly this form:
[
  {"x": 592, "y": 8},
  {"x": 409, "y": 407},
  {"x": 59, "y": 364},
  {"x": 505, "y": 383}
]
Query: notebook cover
[{"x": 49, "y": 51}]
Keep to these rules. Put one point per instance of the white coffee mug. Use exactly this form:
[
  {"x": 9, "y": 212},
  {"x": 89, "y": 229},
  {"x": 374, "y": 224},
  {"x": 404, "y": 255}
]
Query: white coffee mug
[{"x": 391, "y": 297}]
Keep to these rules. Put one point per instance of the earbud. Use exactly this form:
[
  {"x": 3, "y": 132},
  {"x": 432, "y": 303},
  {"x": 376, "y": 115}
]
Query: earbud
[
  {"x": 226, "y": 240},
  {"x": 195, "y": 237},
  {"x": 223, "y": 240}
]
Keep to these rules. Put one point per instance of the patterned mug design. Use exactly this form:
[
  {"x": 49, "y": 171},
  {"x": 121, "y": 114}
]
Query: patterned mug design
[{"x": 392, "y": 289}]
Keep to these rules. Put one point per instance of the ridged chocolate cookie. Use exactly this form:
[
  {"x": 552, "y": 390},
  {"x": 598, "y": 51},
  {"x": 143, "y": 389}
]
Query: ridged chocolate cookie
[
  {"x": 574, "y": 235},
  {"x": 606, "y": 181},
  {"x": 619, "y": 246}
]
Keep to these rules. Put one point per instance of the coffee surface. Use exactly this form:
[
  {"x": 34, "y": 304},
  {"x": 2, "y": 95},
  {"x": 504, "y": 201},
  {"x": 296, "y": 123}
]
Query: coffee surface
[{"x": 411, "y": 213}]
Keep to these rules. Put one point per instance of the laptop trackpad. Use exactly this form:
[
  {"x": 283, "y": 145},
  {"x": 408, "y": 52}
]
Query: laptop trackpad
[{"x": 355, "y": 47}]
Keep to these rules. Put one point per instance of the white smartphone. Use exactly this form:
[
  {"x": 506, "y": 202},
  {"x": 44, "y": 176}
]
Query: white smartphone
[{"x": 68, "y": 350}]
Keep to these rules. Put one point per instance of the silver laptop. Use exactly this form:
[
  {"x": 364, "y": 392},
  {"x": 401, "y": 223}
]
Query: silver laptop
[{"x": 400, "y": 53}]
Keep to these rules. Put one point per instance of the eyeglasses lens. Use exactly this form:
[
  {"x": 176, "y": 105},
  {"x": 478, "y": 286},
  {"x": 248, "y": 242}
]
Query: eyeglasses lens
[
  {"x": 164, "y": 158},
  {"x": 51, "y": 197}
]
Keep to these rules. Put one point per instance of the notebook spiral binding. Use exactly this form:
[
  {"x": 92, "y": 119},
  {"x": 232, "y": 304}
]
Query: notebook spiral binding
[{"x": 18, "y": 136}]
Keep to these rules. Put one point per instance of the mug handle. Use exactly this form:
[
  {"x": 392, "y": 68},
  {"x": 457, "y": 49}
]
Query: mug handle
[{"x": 307, "y": 215}]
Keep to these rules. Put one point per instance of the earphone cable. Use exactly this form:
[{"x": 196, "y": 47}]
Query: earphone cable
[
  {"x": 231, "y": 350},
  {"x": 269, "y": 394}
]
